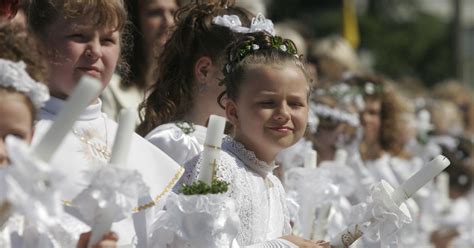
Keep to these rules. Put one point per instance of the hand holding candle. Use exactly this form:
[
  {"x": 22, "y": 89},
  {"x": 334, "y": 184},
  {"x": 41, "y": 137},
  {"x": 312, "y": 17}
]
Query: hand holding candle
[
  {"x": 212, "y": 145},
  {"x": 398, "y": 196},
  {"x": 120, "y": 151},
  {"x": 86, "y": 91}
]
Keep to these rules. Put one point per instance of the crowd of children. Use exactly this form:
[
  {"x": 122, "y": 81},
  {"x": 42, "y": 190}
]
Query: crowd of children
[{"x": 177, "y": 63}]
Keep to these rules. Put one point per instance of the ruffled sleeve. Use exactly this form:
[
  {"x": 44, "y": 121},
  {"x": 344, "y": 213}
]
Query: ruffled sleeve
[{"x": 175, "y": 143}]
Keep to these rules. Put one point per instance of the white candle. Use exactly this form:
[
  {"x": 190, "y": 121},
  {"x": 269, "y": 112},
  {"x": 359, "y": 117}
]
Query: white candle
[
  {"x": 322, "y": 220},
  {"x": 87, "y": 89},
  {"x": 102, "y": 225},
  {"x": 123, "y": 137},
  {"x": 442, "y": 183},
  {"x": 422, "y": 177},
  {"x": 310, "y": 159},
  {"x": 212, "y": 145},
  {"x": 340, "y": 156},
  {"x": 401, "y": 194}
]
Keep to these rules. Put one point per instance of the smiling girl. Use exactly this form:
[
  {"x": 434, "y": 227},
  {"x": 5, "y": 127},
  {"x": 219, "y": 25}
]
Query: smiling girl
[
  {"x": 267, "y": 88},
  {"x": 85, "y": 38}
]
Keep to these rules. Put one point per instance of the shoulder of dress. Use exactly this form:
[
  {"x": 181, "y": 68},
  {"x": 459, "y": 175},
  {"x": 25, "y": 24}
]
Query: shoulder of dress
[{"x": 168, "y": 130}]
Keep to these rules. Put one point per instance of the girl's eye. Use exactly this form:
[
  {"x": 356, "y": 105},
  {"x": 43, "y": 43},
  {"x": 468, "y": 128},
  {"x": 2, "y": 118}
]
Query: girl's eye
[
  {"x": 155, "y": 13},
  {"x": 296, "y": 104},
  {"x": 77, "y": 37},
  {"x": 109, "y": 41},
  {"x": 266, "y": 103}
]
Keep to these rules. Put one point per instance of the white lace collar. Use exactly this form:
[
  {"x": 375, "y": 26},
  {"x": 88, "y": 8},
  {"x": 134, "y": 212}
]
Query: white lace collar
[
  {"x": 54, "y": 105},
  {"x": 247, "y": 157}
]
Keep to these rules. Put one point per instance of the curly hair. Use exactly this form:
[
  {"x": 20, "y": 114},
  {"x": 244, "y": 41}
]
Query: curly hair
[
  {"x": 17, "y": 47},
  {"x": 260, "y": 48},
  {"x": 392, "y": 108},
  {"x": 194, "y": 36}
]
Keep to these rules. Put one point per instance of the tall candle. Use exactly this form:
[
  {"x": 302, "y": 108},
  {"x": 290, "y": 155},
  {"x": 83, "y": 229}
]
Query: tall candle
[
  {"x": 422, "y": 177},
  {"x": 212, "y": 145},
  {"x": 123, "y": 136},
  {"x": 101, "y": 226},
  {"x": 310, "y": 159},
  {"x": 340, "y": 156},
  {"x": 88, "y": 88},
  {"x": 442, "y": 183},
  {"x": 399, "y": 195}
]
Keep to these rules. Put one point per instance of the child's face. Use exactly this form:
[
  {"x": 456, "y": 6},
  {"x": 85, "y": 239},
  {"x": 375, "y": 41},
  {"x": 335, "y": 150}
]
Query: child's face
[
  {"x": 271, "y": 110},
  {"x": 16, "y": 119},
  {"x": 371, "y": 121},
  {"x": 77, "y": 48},
  {"x": 156, "y": 19}
]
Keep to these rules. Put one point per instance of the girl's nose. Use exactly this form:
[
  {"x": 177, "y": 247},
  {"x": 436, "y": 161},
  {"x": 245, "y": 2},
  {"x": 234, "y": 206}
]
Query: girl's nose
[
  {"x": 93, "y": 50},
  {"x": 282, "y": 114}
]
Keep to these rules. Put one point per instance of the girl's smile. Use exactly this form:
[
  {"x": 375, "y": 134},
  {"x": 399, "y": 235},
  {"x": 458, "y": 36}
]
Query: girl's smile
[{"x": 271, "y": 110}]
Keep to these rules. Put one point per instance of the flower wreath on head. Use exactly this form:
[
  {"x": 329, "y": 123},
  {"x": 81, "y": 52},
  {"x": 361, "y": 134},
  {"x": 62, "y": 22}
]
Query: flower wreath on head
[
  {"x": 258, "y": 24},
  {"x": 13, "y": 75}
]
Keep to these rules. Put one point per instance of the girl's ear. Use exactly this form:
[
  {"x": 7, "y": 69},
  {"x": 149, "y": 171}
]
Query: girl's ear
[
  {"x": 231, "y": 112},
  {"x": 202, "y": 70}
]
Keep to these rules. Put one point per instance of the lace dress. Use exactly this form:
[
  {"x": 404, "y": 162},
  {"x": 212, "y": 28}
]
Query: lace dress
[{"x": 259, "y": 195}]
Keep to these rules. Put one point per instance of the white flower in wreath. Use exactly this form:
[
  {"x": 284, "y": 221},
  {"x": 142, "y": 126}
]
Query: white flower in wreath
[
  {"x": 255, "y": 47},
  {"x": 369, "y": 88},
  {"x": 14, "y": 75},
  {"x": 230, "y": 21},
  {"x": 260, "y": 23},
  {"x": 283, "y": 48}
]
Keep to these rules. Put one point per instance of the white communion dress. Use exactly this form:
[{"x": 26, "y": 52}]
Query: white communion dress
[
  {"x": 180, "y": 140},
  {"x": 88, "y": 144},
  {"x": 259, "y": 195}
]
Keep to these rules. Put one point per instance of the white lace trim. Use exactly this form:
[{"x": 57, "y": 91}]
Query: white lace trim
[
  {"x": 13, "y": 74},
  {"x": 248, "y": 157}
]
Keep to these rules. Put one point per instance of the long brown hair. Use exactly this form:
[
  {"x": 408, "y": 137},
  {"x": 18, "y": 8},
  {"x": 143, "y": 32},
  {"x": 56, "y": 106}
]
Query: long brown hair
[
  {"x": 391, "y": 128},
  {"x": 195, "y": 36}
]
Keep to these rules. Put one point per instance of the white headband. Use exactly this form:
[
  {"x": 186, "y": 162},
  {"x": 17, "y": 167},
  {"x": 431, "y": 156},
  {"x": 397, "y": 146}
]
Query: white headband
[
  {"x": 259, "y": 23},
  {"x": 14, "y": 75},
  {"x": 335, "y": 114}
]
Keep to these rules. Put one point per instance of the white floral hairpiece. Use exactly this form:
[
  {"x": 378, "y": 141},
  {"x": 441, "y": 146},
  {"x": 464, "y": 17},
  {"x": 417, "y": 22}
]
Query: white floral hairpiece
[
  {"x": 259, "y": 23},
  {"x": 14, "y": 75},
  {"x": 335, "y": 114}
]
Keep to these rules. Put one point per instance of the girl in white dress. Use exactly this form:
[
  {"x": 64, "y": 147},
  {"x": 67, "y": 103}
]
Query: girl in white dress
[
  {"x": 85, "y": 38},
  {"x": 21, "y": 97},
  {"x": 189, "y": 71},
  {"x": 267, "y": 88}
]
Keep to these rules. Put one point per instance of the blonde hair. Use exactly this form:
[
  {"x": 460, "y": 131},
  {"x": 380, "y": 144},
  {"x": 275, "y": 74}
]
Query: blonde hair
[
  {"x": 337, "y": 48},
  {"x": 446, "y": 117}
]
